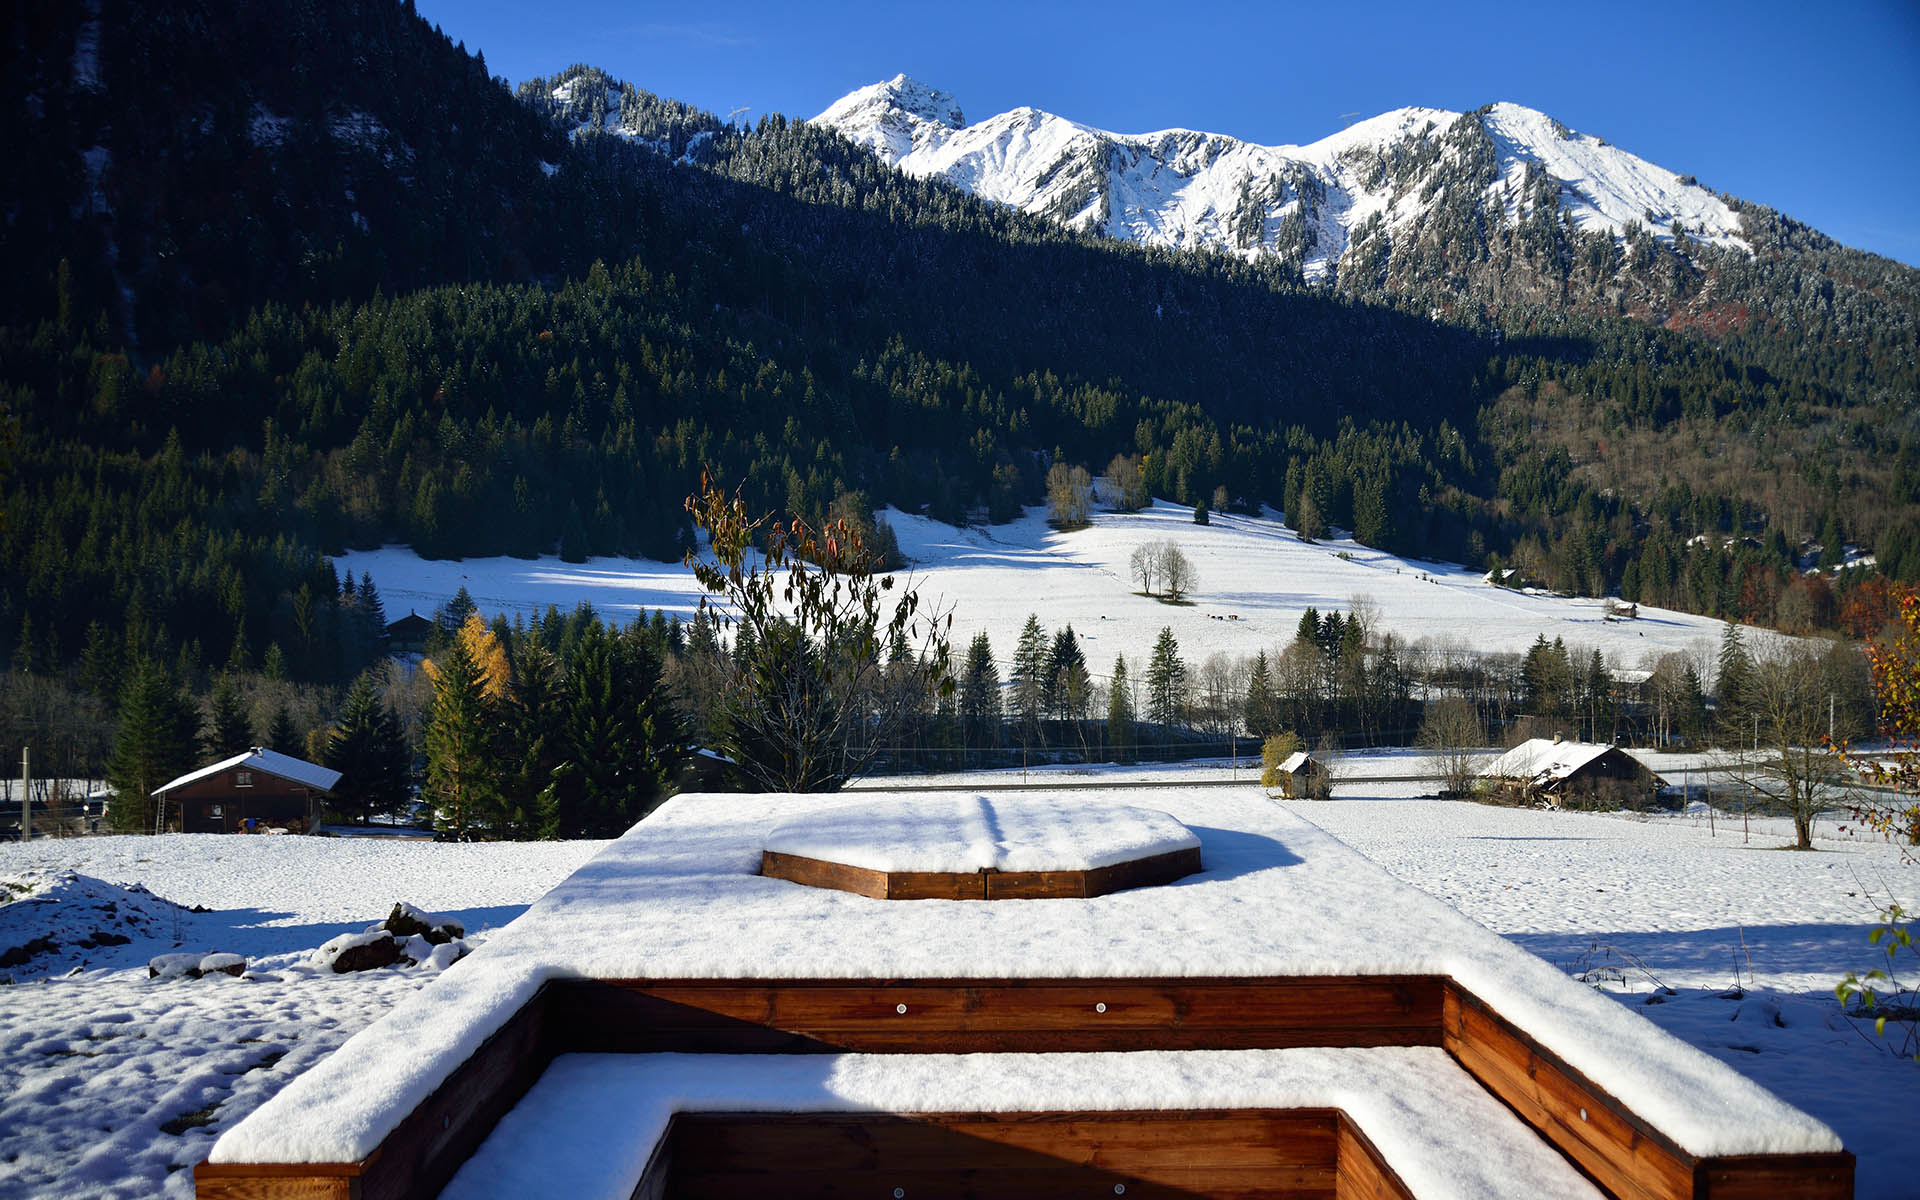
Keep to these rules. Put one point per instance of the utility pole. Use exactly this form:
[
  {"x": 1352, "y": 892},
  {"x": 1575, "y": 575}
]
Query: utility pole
[{"x": 26, "y": 794}]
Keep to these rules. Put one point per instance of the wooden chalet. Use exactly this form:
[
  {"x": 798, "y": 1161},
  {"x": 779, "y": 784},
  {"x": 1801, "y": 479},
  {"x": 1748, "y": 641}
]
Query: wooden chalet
[
  {"x": 409, "y": 634},
  {"x": 259, "y": 789},
  {"x": 687, "y": 1016},
  {"x": 1571, "y": 774}
]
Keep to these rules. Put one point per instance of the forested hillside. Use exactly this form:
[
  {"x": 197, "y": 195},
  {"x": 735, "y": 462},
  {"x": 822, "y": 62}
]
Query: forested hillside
[{"x": 264, "y": 314}]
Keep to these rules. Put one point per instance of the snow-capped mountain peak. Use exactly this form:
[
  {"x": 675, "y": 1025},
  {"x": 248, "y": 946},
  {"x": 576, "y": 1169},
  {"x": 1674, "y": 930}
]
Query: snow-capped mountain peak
[{"x": 1319, "y": 206}]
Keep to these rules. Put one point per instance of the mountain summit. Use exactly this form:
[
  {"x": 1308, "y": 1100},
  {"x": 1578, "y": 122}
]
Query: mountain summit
[{"x": 1344, "y": 203}]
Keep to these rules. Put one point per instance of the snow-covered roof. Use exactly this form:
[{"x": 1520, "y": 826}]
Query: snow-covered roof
[
  {"x": 1544, "y": 760},
  {"x": 968, "y": 833},
  {"x": 1294, "y": 761},
  {"x": 270, "y": 762},
  {"x": 679, "y": 896}
]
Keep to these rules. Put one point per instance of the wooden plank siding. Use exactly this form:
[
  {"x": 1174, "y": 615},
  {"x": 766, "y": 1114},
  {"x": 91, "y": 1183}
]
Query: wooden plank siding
[
  {"x": 1008, "y": 1015},
  {"x": 985, "y": 884},
  {"x": 1613, "y": 1146},
  {"x": 1206, "y": 1153},
  {"x": 1608, "y": 1141}
]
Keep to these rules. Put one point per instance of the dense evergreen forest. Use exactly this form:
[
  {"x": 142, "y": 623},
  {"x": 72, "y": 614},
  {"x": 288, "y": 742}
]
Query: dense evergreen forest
[{"x": 264, "y": 313}]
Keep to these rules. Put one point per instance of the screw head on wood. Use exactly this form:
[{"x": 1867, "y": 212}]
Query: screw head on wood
[
  {"x": 900, "y": 1008},
  {"x": 1102, "y": 1007}
]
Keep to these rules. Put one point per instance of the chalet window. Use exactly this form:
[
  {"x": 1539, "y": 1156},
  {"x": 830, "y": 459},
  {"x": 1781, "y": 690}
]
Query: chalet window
[
  {"x": 215, "y": 811},
  {"x": 243, "y": 779}
]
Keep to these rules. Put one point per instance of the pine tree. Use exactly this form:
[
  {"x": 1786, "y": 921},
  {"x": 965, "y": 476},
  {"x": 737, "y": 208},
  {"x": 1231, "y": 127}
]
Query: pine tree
[
  {"x": 281, "y": 734},
  {"x": 980, "y": 694},
  {"x": 1262, "y": 706},
  {"x": 1731, "y": 683},
  {"x": 227, "y": 731},
  {"x": 620, "y": 743},
  {"x": 1120, "y": 719},
  {"x": 100, "y": 663},
  {"x": 369, "y": 751},
  {"x": 537, "y": 736},
  {"x": 1029, "y": 678},
  {"x": 463, "y": 774},
  {"x": 154, "y": 745},
  {"x": 1166, "y": 682},
  {"x": 1309, "y": 628},
  {"x": 1065, "y": 668}
]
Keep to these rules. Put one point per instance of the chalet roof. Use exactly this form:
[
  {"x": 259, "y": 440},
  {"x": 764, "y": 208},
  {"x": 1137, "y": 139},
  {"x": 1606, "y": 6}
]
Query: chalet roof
[
  {"x": 270, "y": 762},
  {"x": 413, "y": 622},
  {"x": 1543, "y": 760}
]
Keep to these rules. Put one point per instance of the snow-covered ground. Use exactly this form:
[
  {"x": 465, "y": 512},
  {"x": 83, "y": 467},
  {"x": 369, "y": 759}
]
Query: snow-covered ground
[
  {"x": 1255, "y": 580},
  {"x": 111, "y": 1083}
]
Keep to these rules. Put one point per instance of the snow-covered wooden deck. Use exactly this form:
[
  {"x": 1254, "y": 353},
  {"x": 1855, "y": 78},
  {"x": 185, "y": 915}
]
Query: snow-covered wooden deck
[{"x": 672, "y": 943}]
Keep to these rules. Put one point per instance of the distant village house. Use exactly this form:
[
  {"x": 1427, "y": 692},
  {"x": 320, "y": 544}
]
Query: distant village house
[{"x": 1572, "y": 775}]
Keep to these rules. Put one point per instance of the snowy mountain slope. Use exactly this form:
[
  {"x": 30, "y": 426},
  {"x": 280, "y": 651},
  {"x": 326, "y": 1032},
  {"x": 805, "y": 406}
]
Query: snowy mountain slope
[{"x": 1311, "y": 205}]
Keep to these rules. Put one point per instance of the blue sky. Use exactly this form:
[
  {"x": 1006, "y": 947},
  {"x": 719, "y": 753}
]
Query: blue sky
[{"x": 1813, "y": 109}]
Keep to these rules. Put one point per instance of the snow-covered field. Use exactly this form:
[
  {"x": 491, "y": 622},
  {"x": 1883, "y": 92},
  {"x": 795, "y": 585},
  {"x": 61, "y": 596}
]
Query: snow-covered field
[
  {"x": 111, "y": 1083},
  {"x": 1255, "y": 579}
]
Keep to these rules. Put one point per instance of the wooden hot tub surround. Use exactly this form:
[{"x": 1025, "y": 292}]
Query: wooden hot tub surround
[
  {"x": 984, "y": 884},
  {"x": 1621, "y": 1153}
]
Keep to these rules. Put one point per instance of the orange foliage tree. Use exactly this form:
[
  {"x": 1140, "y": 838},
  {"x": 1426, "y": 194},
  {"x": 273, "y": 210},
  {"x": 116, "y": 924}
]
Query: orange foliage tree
[{"x": 1894, "y": 809}]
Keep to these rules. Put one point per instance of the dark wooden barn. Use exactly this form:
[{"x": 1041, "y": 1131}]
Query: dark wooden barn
[{"x": 261, "y": 787}]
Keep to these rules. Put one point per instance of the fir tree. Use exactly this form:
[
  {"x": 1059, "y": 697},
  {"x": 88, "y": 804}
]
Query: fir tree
[
  {"x": 281, "y": 734},
  {"x": 980, "y": 694},
  {"x": 536, "y": 723},
  {"x": 227, "y": 731},
  {"x": 1166, "y": 682},
  {"x": 1261, "y": 709},
  {"x": 463, "y": 773},
  {"x": 155, "y": 745},
  {"x": 1120, "y": 719},
  {"x": 1732, "y": 680},
  {"x": 1029, "y": 678},
  {"x": 369, "y": 751},
  {"x": 100, "y": 662}
]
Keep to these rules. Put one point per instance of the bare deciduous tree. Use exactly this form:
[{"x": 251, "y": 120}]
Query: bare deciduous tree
[
  {"x": 1069, "y": 491},
  {"x": 1787, "y": 699},
  {"x": 1452, "y": 731},
  {"x": 1176, "y": 573},
  {"x": 1127, "y": 482}
]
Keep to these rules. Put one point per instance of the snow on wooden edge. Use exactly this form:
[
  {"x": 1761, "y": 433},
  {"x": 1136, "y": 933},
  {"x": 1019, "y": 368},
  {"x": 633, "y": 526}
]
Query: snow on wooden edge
[{"x": 587, "y": 1127}]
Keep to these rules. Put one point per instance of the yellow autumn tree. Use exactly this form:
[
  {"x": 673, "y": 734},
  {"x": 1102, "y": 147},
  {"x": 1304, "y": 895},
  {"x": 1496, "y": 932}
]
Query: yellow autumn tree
[{"x": 489, "y": 658}]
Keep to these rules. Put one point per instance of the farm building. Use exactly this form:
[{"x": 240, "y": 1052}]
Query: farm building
[
  {"x": 1572, "y": 774},
  {"x": 1298, "y": 774},
  {"x": 262, "y": 786},
  {"x": 409, "y": 634},
  {"x": 752, "y": 995}
]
